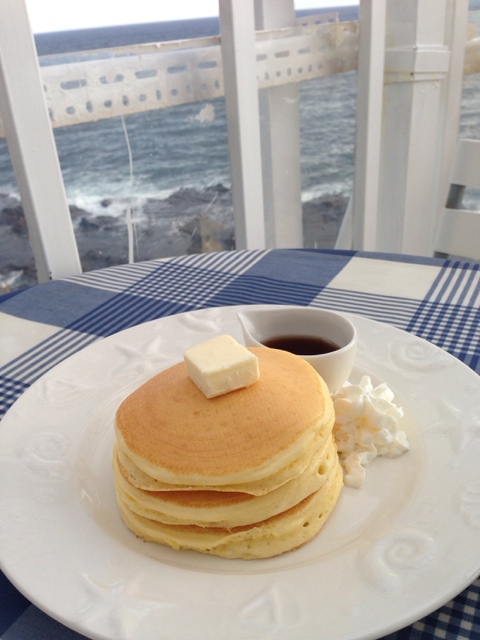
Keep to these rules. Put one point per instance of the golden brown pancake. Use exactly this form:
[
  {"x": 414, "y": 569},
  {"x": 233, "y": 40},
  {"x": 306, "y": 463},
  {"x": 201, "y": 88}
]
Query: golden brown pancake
[
  {"x": 142, "y": 480},
  {"x": 176, "y": 435},
  {"x": 281, "y": 533},
  {"x": 225, "y": 509},
  {"x": 250, "y": 474}
]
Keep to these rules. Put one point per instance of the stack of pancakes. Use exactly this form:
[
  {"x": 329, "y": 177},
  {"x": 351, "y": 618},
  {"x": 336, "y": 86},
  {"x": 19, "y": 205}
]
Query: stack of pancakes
[{"x": 249, "y": 474}]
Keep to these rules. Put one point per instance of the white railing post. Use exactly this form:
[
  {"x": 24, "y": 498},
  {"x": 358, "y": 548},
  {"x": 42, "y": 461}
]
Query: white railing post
[
  {"x": 407, "y": 120},
  {"x": 363, "y": 212},
  {"x": 451, "y": 97},
  {"x": 32, "y": 147},
  {"x": 416, "y": 67},
  {"x": 280, "y": 136},
  {"x": 237, "y": 28}
]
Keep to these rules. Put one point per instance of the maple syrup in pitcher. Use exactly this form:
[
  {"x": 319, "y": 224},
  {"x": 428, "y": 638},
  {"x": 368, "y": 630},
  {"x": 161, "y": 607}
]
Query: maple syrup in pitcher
[{"x": 302, "y": 345}]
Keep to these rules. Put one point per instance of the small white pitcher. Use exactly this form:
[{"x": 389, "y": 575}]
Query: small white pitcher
[{"x": 260, "y": 325}]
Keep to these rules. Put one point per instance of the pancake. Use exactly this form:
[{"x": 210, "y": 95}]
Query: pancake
[
  {"x": 142, "y": 480},
  {"x": 224, "y": 509},
  {"x": 249, "y": 474},
  {"x": 174, "y": 434},
  {"x": 271, "y": 537}
]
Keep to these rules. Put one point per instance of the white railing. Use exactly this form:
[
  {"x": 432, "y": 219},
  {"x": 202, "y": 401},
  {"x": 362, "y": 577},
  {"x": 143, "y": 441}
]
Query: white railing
[
  {"x": 127, "y": 80},
  {"x": 422, "y": 44},
  {"x": 105, "y": 84},
  {"x": 121, "y": 81}
]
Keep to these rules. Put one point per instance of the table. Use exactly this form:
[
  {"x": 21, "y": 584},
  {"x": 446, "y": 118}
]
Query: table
[{"x": 41, "y": 326}]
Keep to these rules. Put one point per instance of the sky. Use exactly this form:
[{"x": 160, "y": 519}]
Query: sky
[{"x": 60, "y": 15}]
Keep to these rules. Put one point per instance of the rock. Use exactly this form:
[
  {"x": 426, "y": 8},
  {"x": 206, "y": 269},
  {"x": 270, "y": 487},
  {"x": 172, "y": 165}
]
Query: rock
[
  {"x": 187, "y": 222},
  {"x": 88, "y": 225},
  {"x": 13, "y": 217}
]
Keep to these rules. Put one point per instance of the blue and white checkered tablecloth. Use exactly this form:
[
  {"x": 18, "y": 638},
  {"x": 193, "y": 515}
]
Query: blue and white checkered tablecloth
[{"x": 41, "y": 326}]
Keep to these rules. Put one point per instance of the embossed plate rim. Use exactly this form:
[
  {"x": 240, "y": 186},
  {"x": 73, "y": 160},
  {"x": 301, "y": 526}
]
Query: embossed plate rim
[{"x": 93, "y": 600}]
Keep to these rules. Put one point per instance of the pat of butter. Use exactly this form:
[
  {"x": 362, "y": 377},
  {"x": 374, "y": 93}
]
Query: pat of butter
[{"x": 221, "y": 365}]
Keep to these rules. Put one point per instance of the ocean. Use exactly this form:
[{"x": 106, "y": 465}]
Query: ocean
[{"x": 179, "y": 189}]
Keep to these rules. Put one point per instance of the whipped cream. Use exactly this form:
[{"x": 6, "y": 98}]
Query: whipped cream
[{"x": 366, "y": 426}]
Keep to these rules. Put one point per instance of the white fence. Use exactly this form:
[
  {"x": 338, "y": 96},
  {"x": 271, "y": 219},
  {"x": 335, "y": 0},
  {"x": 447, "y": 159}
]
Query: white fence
[{"x": 125, "y": 80}]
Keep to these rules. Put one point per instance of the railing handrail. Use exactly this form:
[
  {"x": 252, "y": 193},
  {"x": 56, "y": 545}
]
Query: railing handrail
[
  {"x": 136, "y": 78},
  {"x": 119, "y": 81}
]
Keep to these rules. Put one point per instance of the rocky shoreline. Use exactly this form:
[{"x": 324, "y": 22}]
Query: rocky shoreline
[{"x": 188, "y": 221}]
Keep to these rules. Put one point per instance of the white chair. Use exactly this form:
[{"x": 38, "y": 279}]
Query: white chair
[{"x": 458, "y": 230}]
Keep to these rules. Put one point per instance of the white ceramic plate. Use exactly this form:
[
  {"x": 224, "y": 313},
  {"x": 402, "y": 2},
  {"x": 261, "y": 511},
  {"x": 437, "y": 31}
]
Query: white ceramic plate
[{"x": 390, "y": 553}]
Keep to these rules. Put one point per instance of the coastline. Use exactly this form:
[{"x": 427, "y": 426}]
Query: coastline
[{"x": 188, "y": 221}]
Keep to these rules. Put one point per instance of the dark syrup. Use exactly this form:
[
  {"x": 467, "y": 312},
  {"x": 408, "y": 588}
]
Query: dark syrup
[{"x": 302, "y": 345}]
